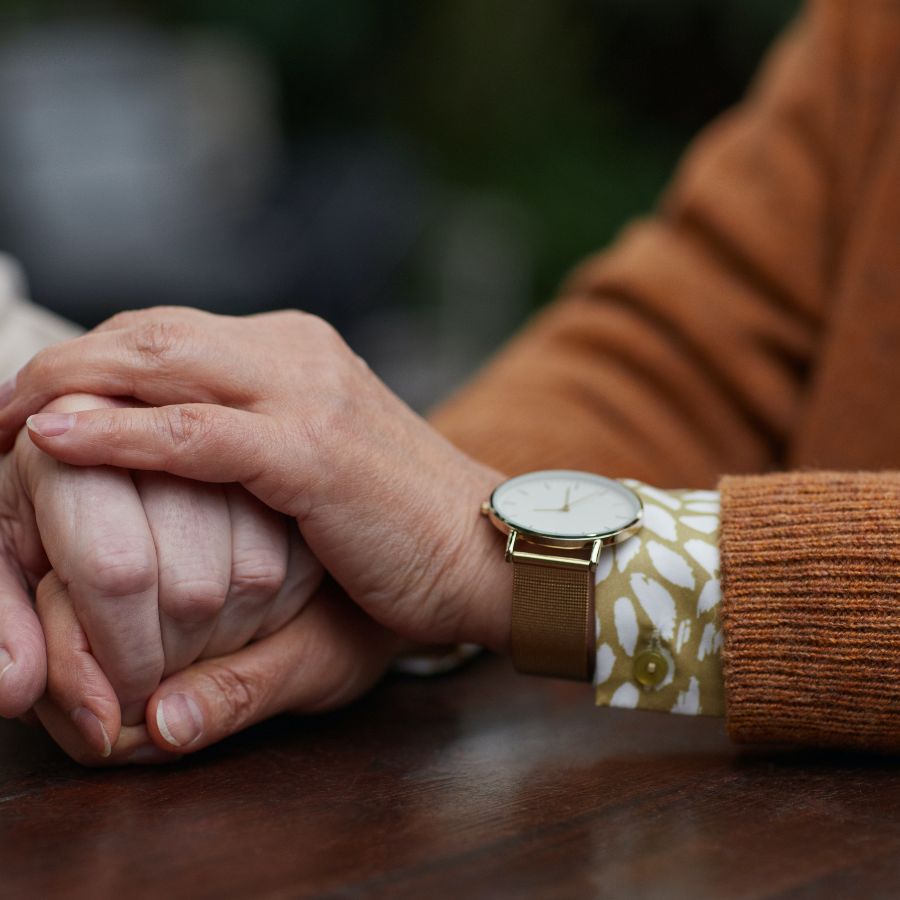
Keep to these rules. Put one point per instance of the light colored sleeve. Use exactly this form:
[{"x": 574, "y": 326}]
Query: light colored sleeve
[
  {"x": 24, "y": 327},
  {"x": 658, "y": 595}
]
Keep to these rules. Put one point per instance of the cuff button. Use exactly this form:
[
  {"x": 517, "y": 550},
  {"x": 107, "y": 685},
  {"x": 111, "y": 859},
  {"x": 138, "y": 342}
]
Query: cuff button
[{"x": 650, "y": 668}]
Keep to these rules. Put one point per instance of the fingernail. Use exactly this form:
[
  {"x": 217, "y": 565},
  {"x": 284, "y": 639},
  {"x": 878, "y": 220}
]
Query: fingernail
[
  {"x": 179, "y": 719},
  {"x": 6, "y": 662},
  {"x": 50, "y": 424},
  {"x": 7, "y": 390},
  {"x": 150, "y": 753},
  {"x": 92, "y": 730}
]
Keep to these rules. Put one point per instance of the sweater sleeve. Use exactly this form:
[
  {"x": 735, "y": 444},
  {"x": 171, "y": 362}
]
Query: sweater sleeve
[
  {"x": 682, "y": 351},
  {"x": 811, "y": 608}
]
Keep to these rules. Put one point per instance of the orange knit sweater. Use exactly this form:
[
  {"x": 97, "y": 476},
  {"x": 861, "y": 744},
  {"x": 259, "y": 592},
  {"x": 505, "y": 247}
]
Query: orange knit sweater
[{"x": 753, "y": 325}]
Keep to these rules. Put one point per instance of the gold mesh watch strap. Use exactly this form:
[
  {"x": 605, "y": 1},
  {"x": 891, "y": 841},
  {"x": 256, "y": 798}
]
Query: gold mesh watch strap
[{"x": 553, "y": 620}]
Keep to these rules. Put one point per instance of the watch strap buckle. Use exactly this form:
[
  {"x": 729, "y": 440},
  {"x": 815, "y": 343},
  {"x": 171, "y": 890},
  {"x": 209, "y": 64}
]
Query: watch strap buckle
[{"x": 559, "y": 561}]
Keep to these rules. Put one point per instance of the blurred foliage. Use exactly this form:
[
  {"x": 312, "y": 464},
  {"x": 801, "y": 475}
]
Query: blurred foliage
[{"x": 575, "y": 110}]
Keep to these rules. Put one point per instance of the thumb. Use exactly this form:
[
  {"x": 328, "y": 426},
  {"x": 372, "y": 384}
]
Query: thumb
[{"x": 326, "y": 656}]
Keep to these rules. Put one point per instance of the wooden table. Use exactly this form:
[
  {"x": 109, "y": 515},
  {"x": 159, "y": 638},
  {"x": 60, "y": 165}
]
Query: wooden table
[{"x": 478, "y": 784}]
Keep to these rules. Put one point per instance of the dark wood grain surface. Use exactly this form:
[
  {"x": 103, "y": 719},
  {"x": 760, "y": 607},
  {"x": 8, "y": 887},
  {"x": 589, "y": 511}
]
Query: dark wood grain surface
[{"x": 479, "y": 784}]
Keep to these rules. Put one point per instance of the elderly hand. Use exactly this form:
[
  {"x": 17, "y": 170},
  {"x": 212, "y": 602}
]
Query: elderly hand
[
  {"x": 286, "y": 409},
  {"x": 280, "y": 404},
  {"x": 149, "y": 574}
]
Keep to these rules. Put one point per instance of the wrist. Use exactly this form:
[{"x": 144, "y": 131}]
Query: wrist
[{"x": 483, "y": 586}]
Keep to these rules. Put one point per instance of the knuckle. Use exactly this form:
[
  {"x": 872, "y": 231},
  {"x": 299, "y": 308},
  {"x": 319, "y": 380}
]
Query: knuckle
[
  {"x": 241, "y": 695},
  {"x": 112, "y": 571},
  {"x": 193, "y": 602},
  {"x": 185, "y": 426},
  {"x": 259, "y": 574},
  {"x": 160, "y": 340}
]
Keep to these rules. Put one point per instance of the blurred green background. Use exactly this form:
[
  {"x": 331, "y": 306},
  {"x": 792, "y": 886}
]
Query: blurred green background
[{"x": 510, "y": 138}]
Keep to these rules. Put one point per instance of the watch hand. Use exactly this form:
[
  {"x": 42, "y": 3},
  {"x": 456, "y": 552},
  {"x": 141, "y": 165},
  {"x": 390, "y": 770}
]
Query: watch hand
[
  {"x": 585, "y": 497},
  {"x": 563, "y": 508}
]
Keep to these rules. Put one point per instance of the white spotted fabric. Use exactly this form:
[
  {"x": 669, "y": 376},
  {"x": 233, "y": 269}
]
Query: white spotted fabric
[{"x": 662, "y": 586}]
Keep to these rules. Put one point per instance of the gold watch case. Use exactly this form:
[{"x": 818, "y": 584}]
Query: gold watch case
[
  {"x": 552, "y": 625},
  {"x": 596, "y": 540}
]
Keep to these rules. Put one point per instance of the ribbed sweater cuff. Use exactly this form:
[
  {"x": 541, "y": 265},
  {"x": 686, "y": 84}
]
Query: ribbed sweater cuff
[{"x": 811, "y": 608}]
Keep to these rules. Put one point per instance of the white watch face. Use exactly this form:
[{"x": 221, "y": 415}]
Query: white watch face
[{"x": 566, "y": 504}]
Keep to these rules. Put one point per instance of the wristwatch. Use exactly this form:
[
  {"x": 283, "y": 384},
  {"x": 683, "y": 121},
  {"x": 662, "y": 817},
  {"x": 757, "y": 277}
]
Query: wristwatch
[{"x": 556, "y": 523}]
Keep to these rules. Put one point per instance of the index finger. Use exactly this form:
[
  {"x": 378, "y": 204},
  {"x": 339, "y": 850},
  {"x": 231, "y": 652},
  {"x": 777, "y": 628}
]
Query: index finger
[{"x": 157, "y": 359}]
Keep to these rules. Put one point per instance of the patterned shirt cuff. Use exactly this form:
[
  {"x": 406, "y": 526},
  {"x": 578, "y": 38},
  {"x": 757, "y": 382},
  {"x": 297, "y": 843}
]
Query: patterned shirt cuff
[{"x": 658, "y": 599}]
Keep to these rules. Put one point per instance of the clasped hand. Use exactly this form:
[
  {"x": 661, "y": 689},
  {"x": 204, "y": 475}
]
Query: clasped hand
[
  {"x": 280, "y": 422},
  {"x": 137, "y": 577}
]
